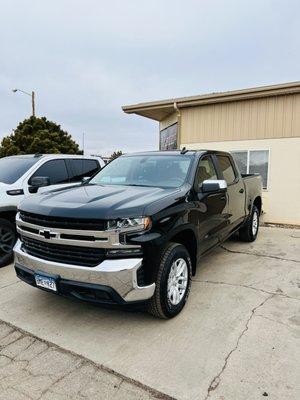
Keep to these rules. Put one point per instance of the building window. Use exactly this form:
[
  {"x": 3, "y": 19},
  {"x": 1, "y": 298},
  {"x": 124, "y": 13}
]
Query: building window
[
  {"x": 253, "y": 162},
  {"x": 168, "y": 138}
]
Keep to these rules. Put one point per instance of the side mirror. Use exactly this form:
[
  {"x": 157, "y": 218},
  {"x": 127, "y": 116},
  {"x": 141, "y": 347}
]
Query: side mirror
[
  {"x": 211, "y": 185},
  {"x": 85, "y": 179},
  {"x": 37, "y": 182}
]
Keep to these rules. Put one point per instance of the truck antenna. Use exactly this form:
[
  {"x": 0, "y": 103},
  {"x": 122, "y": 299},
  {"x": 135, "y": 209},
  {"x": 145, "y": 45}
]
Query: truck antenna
[{"x": 184, "y": 150}]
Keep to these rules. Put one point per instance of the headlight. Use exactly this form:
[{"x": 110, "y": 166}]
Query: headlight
[{"x": 129, "y": 224}]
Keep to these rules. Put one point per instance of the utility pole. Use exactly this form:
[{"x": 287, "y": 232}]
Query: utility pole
[
  {"x": 33, "y": 103},
  {"x": 32, "y": 95}
]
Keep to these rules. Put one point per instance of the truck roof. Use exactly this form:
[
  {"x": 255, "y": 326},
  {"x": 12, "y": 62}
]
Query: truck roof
[
  {"x": 52, "y": 156},
  {"x": 173, "y": 152},
  {"x": 160, "y": 152}
]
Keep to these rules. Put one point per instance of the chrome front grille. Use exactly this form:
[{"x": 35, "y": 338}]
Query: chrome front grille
[{"x": 50, "y": 230}]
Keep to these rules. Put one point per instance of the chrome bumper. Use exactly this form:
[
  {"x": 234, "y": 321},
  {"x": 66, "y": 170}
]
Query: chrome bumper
[{"x": 119, "y": 274}]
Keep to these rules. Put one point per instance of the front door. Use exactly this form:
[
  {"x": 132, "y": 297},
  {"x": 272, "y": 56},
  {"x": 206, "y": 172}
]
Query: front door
[{"x": 211, "y": 208}]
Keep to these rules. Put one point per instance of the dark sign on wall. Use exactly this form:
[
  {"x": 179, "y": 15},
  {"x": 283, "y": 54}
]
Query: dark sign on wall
[{"x": 168, "y": 138}]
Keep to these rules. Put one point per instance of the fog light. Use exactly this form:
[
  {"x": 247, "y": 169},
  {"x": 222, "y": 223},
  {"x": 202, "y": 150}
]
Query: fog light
[{"x": 124, "y": 252}]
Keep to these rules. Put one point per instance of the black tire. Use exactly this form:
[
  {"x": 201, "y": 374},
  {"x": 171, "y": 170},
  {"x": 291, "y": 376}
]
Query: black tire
[
  {"x": 160, "y": 305},
  {"x": 247, "y": 233},
  {"x": 8, "y": 238}
]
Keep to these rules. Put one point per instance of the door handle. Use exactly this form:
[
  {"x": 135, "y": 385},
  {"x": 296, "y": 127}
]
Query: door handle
[{"x": 241, "y": 190}]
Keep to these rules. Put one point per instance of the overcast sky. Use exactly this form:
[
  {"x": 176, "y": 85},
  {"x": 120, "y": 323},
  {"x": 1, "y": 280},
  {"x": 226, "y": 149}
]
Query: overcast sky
[{"x": 85, "y": 59}]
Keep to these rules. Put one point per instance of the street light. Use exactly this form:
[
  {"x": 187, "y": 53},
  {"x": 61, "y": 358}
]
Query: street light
[{"x": 32, "y": 95}]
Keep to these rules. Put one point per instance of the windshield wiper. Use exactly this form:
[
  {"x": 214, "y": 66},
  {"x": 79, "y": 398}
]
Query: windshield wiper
[{"x": 135, "y": 184}]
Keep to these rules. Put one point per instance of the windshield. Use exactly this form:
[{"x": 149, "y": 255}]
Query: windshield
[
  {"x": 12, "y": 168},
  {"x": 168, "y": 171}
]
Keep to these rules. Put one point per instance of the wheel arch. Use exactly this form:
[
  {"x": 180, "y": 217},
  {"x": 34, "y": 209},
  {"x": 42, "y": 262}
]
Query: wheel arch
[
  {"x": 10, "y": 215},
  {"x": 258, "y": 203},
  {"x": 188, "y": 239}
]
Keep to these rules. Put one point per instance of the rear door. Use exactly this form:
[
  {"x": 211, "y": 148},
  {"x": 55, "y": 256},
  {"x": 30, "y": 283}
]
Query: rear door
[
  {"x": 235, "y": 190},
  {"x": 211, "y": 213}
]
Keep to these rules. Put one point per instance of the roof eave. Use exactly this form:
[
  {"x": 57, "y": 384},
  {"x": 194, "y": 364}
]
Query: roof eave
[{"x": 158, "y": 110}]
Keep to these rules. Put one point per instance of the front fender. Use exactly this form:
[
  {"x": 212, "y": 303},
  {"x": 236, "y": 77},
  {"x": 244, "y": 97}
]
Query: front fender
[{"x": 4, "y": 209}]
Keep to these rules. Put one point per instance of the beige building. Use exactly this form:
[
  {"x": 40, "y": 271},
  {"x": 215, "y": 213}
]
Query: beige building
[{"x": 260, "y": 126}]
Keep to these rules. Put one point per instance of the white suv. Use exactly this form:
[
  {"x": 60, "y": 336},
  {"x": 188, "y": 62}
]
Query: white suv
[{"x": 23, "y": 175}]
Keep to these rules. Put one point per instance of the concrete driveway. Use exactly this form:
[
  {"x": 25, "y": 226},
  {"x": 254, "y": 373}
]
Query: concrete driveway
[{"x": 237, "y": 338}]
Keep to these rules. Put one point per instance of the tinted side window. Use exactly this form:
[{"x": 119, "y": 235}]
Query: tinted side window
[
  {"x": 83, "y": 168},
  {"x": 206, "y": 170},
  {"x": 55, "y": 169},
  {"x": 227, "y": 169}
]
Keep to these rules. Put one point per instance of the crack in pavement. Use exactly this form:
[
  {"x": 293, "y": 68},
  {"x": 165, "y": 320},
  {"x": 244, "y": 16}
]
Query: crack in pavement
[
  {"x": 100, "y": 368},
  {"x": 10, "y": 284},
  {"x": 12, "y": 342},
  {"x": 69, "y": 372},
  {"x": 258, "y": 254},
  {"x": 217, "y": 379},
  {"x": 278, "y": 293}
]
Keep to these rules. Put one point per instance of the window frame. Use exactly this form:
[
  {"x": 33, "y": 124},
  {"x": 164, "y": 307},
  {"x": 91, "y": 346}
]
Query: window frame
[
  {"x": 248, "y": 162},
  {"x": 212, "y": 158},
  {"x": 232, "y": 162}
]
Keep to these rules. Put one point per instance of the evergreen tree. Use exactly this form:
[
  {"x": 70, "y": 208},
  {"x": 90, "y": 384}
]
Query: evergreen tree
[
  {"x": 115, "y": 154},
  {"x": 38, "y": 135}
]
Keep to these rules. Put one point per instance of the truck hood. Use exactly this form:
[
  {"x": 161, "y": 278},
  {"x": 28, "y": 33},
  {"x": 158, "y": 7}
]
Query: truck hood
[
  {"x": 4, "y": 186},
  {"x": 102, "y": 202}
]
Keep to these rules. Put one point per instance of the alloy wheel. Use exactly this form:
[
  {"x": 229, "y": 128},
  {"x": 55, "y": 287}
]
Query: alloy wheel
[
  {"x": 7, "y": 240},
  {"x": 254, "y": 223},
  {"x": 177, "y": 281}
]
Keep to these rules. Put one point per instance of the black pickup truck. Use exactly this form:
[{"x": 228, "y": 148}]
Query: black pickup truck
[{"x": 135, "y": 231}]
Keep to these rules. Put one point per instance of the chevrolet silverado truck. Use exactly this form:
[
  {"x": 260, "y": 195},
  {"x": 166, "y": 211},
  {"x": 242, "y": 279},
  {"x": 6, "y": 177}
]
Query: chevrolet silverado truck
[
  {"x": 135, "y": 231},
  {"x": 24, "y": 175}
]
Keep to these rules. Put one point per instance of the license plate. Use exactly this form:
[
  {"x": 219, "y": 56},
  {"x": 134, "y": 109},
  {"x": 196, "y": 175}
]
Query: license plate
[{"x": 45, "y": 282}]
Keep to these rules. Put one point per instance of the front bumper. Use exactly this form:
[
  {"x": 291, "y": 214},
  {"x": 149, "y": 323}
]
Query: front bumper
[{"x": 117, "y": 278}]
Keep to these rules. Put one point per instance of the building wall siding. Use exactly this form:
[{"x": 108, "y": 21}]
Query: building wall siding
[
  {"x": 281, "y": 199},
  {"x": 270, "y": 117},
  {"x": 169, "y": 120}
]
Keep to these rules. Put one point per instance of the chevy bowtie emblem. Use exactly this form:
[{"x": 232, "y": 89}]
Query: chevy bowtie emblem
[{"x": 47, "y": 234}]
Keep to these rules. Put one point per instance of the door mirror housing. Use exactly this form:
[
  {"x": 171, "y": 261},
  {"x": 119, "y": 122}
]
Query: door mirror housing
[
  {"x": 214, "y": 185},
  {"x": 38, "y": 181}
]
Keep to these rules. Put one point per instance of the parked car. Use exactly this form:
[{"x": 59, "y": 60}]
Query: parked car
[
  {"x": 134, "y": 233},
  {"x": 23, "y": 175}
]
